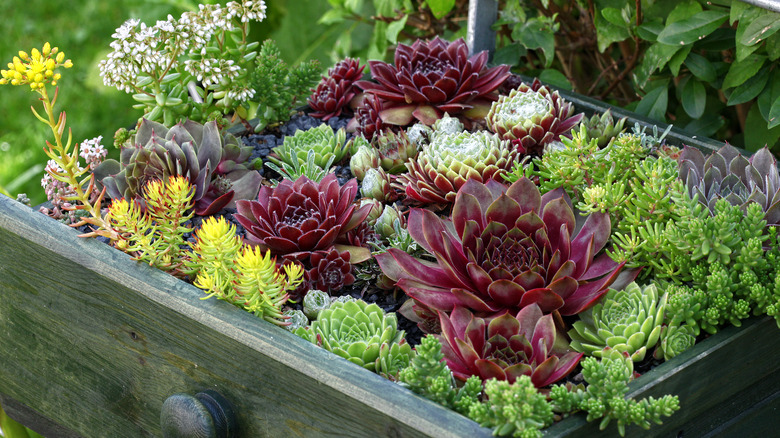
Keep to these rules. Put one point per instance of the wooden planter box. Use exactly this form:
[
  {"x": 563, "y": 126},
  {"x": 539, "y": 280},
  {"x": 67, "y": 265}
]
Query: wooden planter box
[{"x": 92, "y": 344}]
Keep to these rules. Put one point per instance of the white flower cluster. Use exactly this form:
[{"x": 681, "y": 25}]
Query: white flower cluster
[
  {"x": 93, "y": 151},
  {"x": 245, "y": 11},
  {"x": 55, "y": 190},
  {"x": 140, "y": 50}
]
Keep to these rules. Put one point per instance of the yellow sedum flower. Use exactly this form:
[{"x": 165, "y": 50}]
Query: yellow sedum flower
[{"x": 36, "y": 69}]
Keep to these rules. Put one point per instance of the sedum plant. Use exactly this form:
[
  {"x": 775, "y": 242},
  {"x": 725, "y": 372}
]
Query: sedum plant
[
  {"x": 153, "y": 232},
  {"x": 531, "y": 116},
  {"x": 513, "y": 409},
  {"x": 507, "y": 347},
  {"x": 242, "y": 275},
  {"x": 328, "y": 147},
  {"x": 278, "y": 88},
  {"x": 361, "y": 333},
  {"x": 196, "y": 67},
  {"x": 445, "y": 164},
  {"x": 628, "y": 320},
  {"x": 504, "y": 248},
  {"x": 430, "y": 78},
  {"x": 604, "y": 397},
  {"x": 38, "y": 69},
  {"x": 429, "y": 376}
]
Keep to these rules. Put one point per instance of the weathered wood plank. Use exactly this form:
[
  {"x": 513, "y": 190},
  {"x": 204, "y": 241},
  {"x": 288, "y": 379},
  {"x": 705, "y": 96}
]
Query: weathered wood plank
[{"x": 96, "y": 342}]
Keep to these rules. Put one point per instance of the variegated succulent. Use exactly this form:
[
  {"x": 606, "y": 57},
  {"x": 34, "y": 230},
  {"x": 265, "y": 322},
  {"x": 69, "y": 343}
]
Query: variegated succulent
[
  {"x": 214, "y": 165},
  {"x": 394, "y": 150},
  {"x": 449, "y": 160},
  {"x": 531, "y": 116},
  {"x": 506, "y": 347},
  {"x": 628, "y": 320},
  {"x": 327, "y": 146},
  {"x": 505, "y": 248},
  {"x": 363, "y": 334},
  {"x": 729, "y": 175},
  {"x": 430, "y": 78}
]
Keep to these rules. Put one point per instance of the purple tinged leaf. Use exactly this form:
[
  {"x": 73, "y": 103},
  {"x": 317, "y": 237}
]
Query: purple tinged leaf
[
  {"x": 513, "y": 372},
  {"x": 555, "y": 214},
  {"x": 525, "y": 192},
  {"x": 544, "y": 297},
  {"x": 504, "y": 210},
  {"x": 489, "y": 370},
  {"x": 467, "y": 208},
  {"x": 505, "y": 292}
]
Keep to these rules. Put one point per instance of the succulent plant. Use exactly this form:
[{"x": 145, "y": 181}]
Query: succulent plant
[
  {"x": 394, "y": 150},
  {"x": 335, "y": 92},
  {"x": 505, "y": 248},
  {"x": 378, "y": 185},
  {"x": 628, "y": 320},
  {"x": 603, "y": 127},
  {"x": 386, "y": 222},
  {"x": 331, "y": 269},
  {"x": 430, "y": 78},
  {"x": 314, "y": 301},
  {"x": 367, "y": 121},
  {"x": 297, "y": 168},
  {"x": 296, "y": 218},
  {"x": 363, "y": 160},
  {"x": 674, "y": 340},
  {"x": 357, "y": 331},
  {"x": 531, "y": 116},
  {"x": 444, "y": 165},
  {"x": 447, "y": 125},
  {"x": 729, "y": 175},
  {"x": 327, "y": 146},
  {"x": 506, "y": 347},
  {"x": 188, "y": 149},
  {"x": 296, "y": 319}
]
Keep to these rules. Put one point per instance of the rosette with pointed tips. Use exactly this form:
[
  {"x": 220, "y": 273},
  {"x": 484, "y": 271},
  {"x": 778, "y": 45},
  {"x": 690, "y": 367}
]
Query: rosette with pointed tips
[
  {"x": 188, "y": 149},
  {"x": 531, "y": 116},
  {"x": 507, "y": 347},
  {"x": 295, "y": 218},
  {"x": 505, "y": 248},
  {"x": 430, "y": 78},
  {"x": 444, "y": 165},
  {"x": 729, "y": 175},
  {"x": 334, "y": 93}
]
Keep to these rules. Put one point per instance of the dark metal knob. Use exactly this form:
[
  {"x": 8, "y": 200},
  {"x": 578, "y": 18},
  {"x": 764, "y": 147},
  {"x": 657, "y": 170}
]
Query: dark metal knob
[{"x": 205, "y": 415}]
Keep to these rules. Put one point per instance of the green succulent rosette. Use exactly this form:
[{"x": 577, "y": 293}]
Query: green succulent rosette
[
  {"x": 674, "y": 340},
  {"x": 362, "y": 333},
  {"x": 628, "y": 320},
  {"x": 326, "y": 145}
]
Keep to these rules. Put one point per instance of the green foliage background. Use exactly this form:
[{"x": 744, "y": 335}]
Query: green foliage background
[{"x": 83, "y": 31}]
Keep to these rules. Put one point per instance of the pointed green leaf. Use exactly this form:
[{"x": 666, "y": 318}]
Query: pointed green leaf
[
  {"x": 394, "y": 28},
  {"x": 677, "y": 60},
  {"x": 758, "y": 132},
  {"x": 750, "y": 89},
  {"x": 692, "y": 29},
  {"x": 774, "y": 114},
  {"x": 654, "y": 103},
  {"x": 761, "y": 28},
  {"x": 440, "y": 8},
  {"x": 741, "y": 71}
]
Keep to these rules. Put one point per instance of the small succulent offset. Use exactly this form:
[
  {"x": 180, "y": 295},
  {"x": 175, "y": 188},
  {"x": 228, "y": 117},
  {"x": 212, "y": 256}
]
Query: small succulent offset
[
  {"x": 394, "y": 150},
  {"x": 298, "y": 217},
  {"x": 315, "y": 301},
  {"x": 507, "y": 347},
  {"x": 336, "y": 91},
  {"x": 628, "y": 320},
  {"x": 505, "y": 248},
  {"x": 531, "y": 116},
  {"x": 328, "y": 147},
  {"x": 603, "y": 127},
  {"x": 297, "y": 168},
  {"x": 331, "y": 270},
  {"x": 357, "y": 331},
  {"x": 364, "y": 159},
  {"x": 728, "y": 175},
  {"x": 188, "y": 149},
  {"x": 449, "y": 160},
  {"x": 674, "y": 340},
  {"x": 430, "y": 78}
]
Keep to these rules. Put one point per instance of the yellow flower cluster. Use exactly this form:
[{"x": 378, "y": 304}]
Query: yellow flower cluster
[{"x": 35, "y": 69}]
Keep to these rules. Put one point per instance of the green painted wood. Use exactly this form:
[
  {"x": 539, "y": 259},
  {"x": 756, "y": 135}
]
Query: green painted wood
[{"x": 96, "y": 342}]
